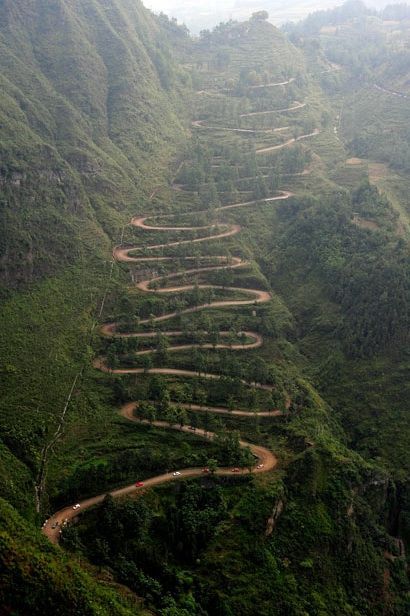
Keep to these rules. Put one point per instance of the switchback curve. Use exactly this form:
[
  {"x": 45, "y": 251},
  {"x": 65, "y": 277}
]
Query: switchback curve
[{"x": 266, "y": 461}]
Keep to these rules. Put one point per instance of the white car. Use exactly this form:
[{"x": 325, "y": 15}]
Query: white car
[
  {"x": 260, "y": 466},
  {"x": 77, "y": 506},
  {"x": 176, "y": 474}
]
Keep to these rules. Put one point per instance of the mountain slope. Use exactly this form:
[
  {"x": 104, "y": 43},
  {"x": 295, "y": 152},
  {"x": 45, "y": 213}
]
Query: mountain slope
[
  {"x": 87, "y": 121},
  {"x": 91, "y": 113},
  {"x": 254, "y": 288}
]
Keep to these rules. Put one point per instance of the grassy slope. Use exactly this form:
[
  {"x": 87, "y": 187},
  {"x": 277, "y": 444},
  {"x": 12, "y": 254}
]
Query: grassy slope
[
  {"x": 88, "y": 114},
  {"x": 87, "y": 127},
  {"x": 38, "y": 578},
  {"x": 82, "y": 98}
]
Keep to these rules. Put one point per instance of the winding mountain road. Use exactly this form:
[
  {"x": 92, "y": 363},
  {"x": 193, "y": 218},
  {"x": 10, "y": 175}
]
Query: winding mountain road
[
  {"x": 220, "y": 91},
  {"x": 266, "y": 461},
  {"x": 296, "y": 106},
  {"x": 272, "y": 85},
  {"x": 200, "y": 124},
  {"x": 223, "y": 410},
  {"x": 109, "y": 330},
  {"x": 100, "y": 364},
  {"x": 286, "y": 144}
]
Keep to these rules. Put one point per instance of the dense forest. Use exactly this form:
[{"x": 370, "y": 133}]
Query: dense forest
[{"x": 205, "y": 307}]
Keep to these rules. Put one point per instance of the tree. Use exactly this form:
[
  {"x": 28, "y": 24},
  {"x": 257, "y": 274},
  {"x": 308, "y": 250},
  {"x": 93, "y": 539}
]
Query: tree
[
  {"x": 232, "y": 336},
  {"x": 164, "y": 400},
  {"x": 258, "y": 370},
  {"x": 150, "y": 413},
  {"x": 260, "y": 191},
  {"x": 224, "y": 277},
  {"x": 147, "y": 411},
  {"x": 229, "y": 445},
  {"x": 182, "y": 416},
  {"x": 199, "y": 361},
  {"x": 194, "y": 422},
  {"x": 223, "y": 58},
  {"x": 201, "y": 396},
  {"x": 247, "y": 459},
  {"x": 212, "y": 464},
  {"x": 242, "y": 338},
  {"x": 214, "y": 336},
  {"x": 146, "y": 361},
  {"x": 171, "y": 415},
  {"x": 260, "y": 16},
  {"x": 231, "y": 404},
  {"x": 162, "y": 347},
  {"x": 156, "y": 388},
  {"x": 111, "y": 358}
]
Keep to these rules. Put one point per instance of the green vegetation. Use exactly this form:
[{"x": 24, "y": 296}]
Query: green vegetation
[
  {"x": 260, "y": 295},
  {"x": 38, "y": 578}
]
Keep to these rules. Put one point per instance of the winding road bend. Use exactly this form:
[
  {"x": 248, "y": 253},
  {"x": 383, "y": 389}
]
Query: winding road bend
[
  {"x": 294, "y": 107},
  {"x": 201, "y": 124},
  {"x": 286, "y": 144},
  {"x": 221, "y": 91},
  {"x": 110, "y": 330},
  {"x": 257, "y": 296},
  {"x": 265, "y": 459}
]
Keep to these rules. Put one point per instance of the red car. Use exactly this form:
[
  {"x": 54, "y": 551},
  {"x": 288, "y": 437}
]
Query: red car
[
  {"x": 205, "y": 470},
  {"x": 139, "y": 484}
]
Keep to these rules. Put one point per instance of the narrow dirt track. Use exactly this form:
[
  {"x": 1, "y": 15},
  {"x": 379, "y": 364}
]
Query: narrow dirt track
[
  {"x": 287, "y": 143},
  {"x": 100, "y": 364},
  {"x": 109, "y": 330},
  {"x": 282, "y": 194},
  {"x": 200, "y": 124},
  {"x": 139, "y": 221},
  {"x": 220, "y": 91},
  {"x": 261, "y": 297},
  {"x": 122, "y": 254},
  {"x": 266, "y": 461},
  {"x": 144, "y": 285},
  {"x": 221, "y": 410},
  {"x": 273, "y": 85},
  {"x": 269, "y": 111}
]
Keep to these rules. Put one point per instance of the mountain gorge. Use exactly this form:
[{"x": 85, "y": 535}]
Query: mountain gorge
[{"x": 204, "y": 300}]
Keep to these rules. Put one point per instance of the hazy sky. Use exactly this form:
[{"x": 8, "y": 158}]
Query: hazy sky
[{"x": 200, "y": 14}]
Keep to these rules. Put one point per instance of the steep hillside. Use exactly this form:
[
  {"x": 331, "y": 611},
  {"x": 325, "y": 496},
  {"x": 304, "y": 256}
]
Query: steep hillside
[
  {"x": 37, "y": 579},
  {"x": 367, "y": 82},
  {"x": 199, "y": 326},
  {"x": 91, "y": 115},
  {"x": 87, "y": 121},
  {"x": 247, "y": 285}
]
